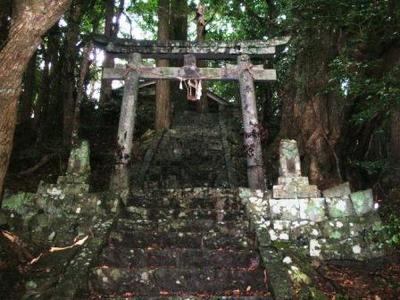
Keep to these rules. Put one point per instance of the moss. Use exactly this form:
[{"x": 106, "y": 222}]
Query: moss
[
  {"x": 18, "y": 201},
  {"x": 282, "y": 245}
]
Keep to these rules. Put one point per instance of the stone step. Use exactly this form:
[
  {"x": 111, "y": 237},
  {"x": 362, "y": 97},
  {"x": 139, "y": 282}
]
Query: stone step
[
  {"x": 140, "y": 213},
  {"x": 169, "y": 281},
  {"x": 188, "y": 193},
  {"x": 185, "y": 225},
  {"x": 206, "y": 240},
  {"x": 123, "y": 257},
  {"x": 218, "y": 202}
]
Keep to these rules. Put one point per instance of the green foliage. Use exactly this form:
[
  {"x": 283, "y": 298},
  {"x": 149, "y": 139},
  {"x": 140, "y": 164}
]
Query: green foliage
[
  {"x": 144, "y": 13},
  {"x": 17, "y": 201},
  {"x": 391, "y": 231},
  {"x": 372, "y": 167}
]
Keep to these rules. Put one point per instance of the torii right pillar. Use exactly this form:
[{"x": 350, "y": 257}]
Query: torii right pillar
[{"x": 252, "y": 139}]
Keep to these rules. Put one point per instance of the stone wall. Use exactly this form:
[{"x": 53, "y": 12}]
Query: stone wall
[{"x": 334, "y": 224}]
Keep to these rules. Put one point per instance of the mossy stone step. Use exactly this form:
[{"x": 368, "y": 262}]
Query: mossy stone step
[
  {"x": 188, "y": 193},
  {"x": 206, "y": 240},
  {"x": 157, "y": 214},
  {"x": 159, "y": 281},
  {"x": 185, "y": 202},
  {"x": 123, "y": 257},
  {"x": 184, "y": 225}
]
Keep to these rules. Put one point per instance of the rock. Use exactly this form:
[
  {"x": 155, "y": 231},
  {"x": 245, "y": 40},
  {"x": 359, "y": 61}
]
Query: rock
[
  {"x": 363, "y": 202},
  {"x": 339, "y": 207},
  {"x": 338, "y": 191}
]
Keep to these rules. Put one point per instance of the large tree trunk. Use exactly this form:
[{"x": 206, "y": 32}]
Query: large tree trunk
[
  {"x": 311, "y": 116},
  {"x": 163, "y": 118},
  {"x": 24, "y": 38}
]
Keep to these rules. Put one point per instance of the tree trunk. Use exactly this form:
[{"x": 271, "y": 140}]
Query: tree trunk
[
  {"x": 163, "y": 118},
  {"x": 46, "y": 115},
  {"x": 202, "y": 105},
  {"x": 105, "y": 94},
  {"x": 69, "y": 71},
  {"x": 23, "y": 39},
  {"x": 84, "y": 69},
  {"x": 178, "y": 31},
  {"x": 312, "y": 117},
  {"x": 29, "y": 91}
]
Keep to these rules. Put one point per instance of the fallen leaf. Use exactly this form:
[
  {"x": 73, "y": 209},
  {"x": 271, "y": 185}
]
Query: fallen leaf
[
  {"x": 164, "y": 293},
  {"x": 77, "y": 243}
]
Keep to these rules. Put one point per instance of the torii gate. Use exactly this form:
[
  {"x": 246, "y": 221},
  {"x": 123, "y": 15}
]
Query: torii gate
[{"x": 244, "y": 72}]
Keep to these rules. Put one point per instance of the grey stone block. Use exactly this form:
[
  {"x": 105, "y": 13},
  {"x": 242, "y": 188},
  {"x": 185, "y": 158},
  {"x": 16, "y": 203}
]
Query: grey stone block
[
  {"x": 339, "y": 207},
  {"x": 294, "y": 190},
  {"x": 312, "y": 209},
  {"x": 285, "y": 209},
  {"x": 337, "y": 229},
  {"x": 298, "y": 180},
  {"x": 363, "y": 201},
  {"x": 338, "y": 191}
]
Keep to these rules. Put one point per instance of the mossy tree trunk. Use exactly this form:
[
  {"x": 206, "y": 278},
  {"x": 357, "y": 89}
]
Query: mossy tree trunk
[{"x": 27, "y": 28}]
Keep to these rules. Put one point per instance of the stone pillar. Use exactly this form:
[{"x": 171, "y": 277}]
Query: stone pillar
[
  {"x": 128, "y": 110},
  {"x": 120, "y": 180},
  {"x": 252, "y": 141}
]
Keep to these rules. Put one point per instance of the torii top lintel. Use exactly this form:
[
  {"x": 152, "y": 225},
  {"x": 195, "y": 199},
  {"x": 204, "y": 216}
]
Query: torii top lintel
[{"x": 176, "y": 49}]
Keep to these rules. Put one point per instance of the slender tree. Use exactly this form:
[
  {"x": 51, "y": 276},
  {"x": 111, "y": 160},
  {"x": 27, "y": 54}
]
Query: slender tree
[
  {"x": 111, "y": 29},
  {"x": 69, "y": 63},
  {"x": 202, "y": 105},
  {"x": 30, "y": 22},
  {"x": 163, "y": 118},
  {"x": 108, "y": 62}
]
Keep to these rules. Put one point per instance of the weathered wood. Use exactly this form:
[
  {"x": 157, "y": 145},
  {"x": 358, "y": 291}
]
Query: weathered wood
[
  {"x": 175, "y": 49},
  {"x": 128, "y": 112},
  {"x": 175, "y": 73},
  {"x": 252, "y": 140}
]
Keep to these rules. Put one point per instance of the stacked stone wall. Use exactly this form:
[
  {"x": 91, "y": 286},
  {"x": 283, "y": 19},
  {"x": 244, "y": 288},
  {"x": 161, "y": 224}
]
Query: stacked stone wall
[{"x": 334, "y": 224}]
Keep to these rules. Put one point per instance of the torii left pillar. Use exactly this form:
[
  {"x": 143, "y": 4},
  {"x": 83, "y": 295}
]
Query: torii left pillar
[
  {"x": 120, "y": 178},
  {"x": 252, "y": 139}
]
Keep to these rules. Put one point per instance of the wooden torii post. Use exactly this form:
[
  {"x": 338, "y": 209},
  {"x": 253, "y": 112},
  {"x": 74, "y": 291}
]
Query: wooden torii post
[{"x": 244, "y": 72}]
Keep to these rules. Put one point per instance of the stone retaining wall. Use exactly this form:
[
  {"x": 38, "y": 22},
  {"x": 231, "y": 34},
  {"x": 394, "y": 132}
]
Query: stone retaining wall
[{"x": 337, "y": 224}]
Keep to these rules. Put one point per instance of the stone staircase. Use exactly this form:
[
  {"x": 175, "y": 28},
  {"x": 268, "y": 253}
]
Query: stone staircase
[
  {"x": 181, "y": 244},
  {"x": 184, "y": 236},
  {"x": 191, "y": 154}
]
